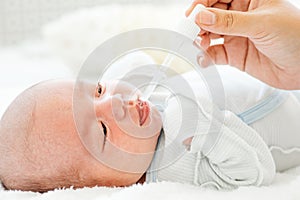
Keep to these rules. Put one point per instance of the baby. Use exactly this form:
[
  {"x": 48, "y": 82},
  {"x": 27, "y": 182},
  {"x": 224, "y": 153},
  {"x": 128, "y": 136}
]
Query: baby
[{"x": 50, "y": 139}]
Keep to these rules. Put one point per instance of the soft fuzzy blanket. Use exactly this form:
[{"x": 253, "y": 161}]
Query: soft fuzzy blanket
[{"x": 285, "y": 187}]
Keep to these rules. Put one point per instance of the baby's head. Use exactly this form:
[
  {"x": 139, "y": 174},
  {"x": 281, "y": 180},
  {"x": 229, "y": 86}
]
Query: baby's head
[{"x": 44, "y": 144}]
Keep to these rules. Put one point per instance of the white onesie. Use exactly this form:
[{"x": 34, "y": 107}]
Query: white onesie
[{"x": 243, "y": 142}]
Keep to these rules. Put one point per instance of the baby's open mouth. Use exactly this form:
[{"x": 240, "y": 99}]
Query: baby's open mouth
[{"x": 143, "y": 110}]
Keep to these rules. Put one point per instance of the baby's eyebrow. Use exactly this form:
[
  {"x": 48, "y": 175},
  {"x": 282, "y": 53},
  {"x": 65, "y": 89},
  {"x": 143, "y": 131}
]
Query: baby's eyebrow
[
  {"x": 100, "y": 126},
  {"x": 103, "y": 142}
]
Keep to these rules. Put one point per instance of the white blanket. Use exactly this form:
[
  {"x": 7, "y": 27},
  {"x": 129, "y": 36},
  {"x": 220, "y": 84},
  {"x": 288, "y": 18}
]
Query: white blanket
[{"x": 286, "y": 186}]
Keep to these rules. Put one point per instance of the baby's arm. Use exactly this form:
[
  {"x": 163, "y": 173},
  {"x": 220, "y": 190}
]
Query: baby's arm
[{"x": 238, "y": 156}]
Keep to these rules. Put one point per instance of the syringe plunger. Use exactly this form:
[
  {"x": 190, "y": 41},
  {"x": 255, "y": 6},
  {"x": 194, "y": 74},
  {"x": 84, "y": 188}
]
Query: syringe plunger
[{"x": 187, "y": 25}]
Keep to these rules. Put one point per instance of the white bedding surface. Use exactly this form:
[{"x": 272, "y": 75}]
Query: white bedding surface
[{"x": 285, "y": 187}]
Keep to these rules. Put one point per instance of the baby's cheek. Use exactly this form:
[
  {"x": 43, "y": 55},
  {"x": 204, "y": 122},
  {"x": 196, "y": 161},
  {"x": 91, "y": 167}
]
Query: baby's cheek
[
  {"x": 123, "y": 142},
  {"x": 126, "y": 143}
]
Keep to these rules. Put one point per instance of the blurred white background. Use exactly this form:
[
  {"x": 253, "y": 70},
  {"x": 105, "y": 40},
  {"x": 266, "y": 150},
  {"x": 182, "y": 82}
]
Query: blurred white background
[{"x": 22, "y": 19}]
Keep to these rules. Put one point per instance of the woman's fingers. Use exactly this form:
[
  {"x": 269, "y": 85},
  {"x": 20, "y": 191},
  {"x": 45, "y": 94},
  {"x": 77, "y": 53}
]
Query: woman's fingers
[{"x": 206, "y": 3}]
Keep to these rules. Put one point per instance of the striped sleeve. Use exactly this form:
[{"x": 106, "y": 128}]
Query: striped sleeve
[{"x": 237, "y": 154}]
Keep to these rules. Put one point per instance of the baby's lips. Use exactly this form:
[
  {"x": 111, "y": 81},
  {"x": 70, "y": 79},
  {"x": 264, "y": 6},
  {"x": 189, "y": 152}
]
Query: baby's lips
[{"x": 143, "y": 110}]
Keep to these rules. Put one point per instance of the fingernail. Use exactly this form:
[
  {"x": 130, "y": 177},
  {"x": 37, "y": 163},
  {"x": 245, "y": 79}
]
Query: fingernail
[
  {"x": 198, "y": 41},
  {"x": 206, "y": 17},
  {"x": 203, "y": 60},
  {"x": 200, "y": 59}
]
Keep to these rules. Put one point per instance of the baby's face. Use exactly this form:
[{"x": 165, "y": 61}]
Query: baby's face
[{"x": 115, "y": 139}]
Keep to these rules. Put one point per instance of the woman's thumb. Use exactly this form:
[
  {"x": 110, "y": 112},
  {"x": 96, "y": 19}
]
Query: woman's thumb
[{"x": 226, "y": 22}]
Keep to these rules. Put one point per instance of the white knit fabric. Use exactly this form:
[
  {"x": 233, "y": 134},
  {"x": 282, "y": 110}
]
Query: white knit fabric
[{"x": 233, "y": 154}]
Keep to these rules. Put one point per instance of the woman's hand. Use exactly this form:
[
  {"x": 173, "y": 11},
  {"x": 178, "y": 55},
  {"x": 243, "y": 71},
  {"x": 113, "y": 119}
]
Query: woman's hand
[{"x": 261, "y": 37}]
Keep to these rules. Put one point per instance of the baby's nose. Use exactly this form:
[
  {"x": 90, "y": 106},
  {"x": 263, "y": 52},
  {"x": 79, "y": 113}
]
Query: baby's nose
[
  {"x": 118, "y": 106},
  {"x": 130, "y": 100},
  {"x": 111, "y": 108}
]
